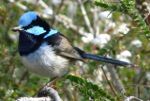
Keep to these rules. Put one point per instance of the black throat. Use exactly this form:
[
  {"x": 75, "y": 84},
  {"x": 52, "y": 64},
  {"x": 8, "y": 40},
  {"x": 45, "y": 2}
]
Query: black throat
[{"x": 28, "y": 43}]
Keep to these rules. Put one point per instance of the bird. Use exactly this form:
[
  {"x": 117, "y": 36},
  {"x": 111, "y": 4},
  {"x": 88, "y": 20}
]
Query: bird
[{"x": 46, "y": 51}]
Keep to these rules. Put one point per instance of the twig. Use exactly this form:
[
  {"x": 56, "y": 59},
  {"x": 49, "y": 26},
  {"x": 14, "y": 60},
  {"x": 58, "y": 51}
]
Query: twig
[
  {"x": 110, "y": 84},
  {"x": 57, "y": 11},
  {"x": 95, "y": 21},
  {"x": 45, "y": 6},
  {"x": 68, "y": 24},
  {"x": 117, "y": 82},
  {"x": 87, "y": 21}
]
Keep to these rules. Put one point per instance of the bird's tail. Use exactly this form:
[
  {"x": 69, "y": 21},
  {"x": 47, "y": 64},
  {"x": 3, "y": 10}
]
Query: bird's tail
[{"x": 103, "y": 58}]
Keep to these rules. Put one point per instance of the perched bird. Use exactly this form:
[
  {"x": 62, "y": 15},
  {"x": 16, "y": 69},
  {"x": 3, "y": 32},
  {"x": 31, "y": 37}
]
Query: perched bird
[{"x": 46, "y": 51}]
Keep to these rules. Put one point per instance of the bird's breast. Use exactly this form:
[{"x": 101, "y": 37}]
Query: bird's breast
[{"x": 45, "y": 62}]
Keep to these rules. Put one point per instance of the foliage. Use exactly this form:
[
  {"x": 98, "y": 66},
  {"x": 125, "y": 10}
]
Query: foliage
[
  {"x": 89, "y": 90},
  {"x": 127, "y": 7}
]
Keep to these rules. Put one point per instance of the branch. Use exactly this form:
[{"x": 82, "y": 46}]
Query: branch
[
  {"x": 46, "y": 94},
  {"x": 117, "y": 82},
  {"x": 109, "y": 83},
  {"x": 87, "y": 21}
]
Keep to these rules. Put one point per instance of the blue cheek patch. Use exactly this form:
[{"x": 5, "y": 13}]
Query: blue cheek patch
[
  {"x": 51, "y": 32},
  {"x": 36, "y": 30}
]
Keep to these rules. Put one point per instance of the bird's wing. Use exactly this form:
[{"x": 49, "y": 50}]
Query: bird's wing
[{"x": 63, "y": 47}]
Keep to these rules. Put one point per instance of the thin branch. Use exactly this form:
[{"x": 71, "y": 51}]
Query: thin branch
[
  {"x": 96, "y": 21},
  {"x": 110, "y": 84},
  {"x": 68, "y": 24},
  {"x": 117, "y": 82},
  {"x": 86, "y": 19}
]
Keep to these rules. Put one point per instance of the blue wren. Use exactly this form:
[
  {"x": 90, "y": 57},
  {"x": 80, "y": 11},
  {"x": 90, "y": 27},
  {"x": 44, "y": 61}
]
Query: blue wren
[{"x": 46, "y": 51}]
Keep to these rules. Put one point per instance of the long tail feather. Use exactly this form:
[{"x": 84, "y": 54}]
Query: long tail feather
[{"x": 105, "y": 59}]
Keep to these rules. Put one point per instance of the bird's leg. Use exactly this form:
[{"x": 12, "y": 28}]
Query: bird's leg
[
  {"x": 48, "y": 84},
  {"x": 52, "y": 81}
]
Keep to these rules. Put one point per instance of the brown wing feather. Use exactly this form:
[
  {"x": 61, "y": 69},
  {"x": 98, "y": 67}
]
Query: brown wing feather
[{"x": 64, "y": 48}]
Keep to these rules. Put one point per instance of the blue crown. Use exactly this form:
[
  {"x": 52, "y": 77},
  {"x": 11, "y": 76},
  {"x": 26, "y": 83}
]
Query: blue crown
[{"x": 27, "y": 18}]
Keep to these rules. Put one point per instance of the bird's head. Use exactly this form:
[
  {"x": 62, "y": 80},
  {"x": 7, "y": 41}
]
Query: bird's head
[
  {"x": 33, "y": 31},
  {"x": 32, "y": 23}
]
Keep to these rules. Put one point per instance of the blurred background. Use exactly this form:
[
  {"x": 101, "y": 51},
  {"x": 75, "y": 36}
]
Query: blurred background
[{"x": 90, "y": 27}]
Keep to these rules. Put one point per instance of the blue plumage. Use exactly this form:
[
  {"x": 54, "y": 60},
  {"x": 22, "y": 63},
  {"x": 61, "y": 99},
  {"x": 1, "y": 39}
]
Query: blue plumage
[
  {"x": 51, "y": 32},
  {"x": 27, "y": 18},
  {"x": 36, "y": 30}
]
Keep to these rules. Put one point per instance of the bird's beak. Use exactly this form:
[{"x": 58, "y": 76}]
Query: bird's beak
[{"x": 18, "y": 28}]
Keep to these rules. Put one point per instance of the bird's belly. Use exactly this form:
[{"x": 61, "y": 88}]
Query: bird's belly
[{"x": 45, "y": 62}]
